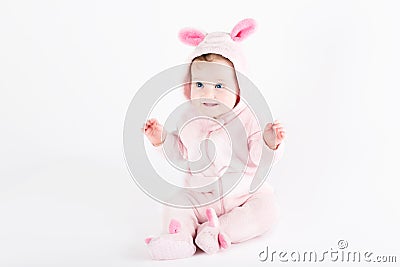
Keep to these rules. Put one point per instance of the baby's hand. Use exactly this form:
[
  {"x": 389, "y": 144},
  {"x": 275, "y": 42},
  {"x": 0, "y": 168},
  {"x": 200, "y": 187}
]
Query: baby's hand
[
  {"x": 274, "y": 133},
  {"x": 153, "y": 130}
]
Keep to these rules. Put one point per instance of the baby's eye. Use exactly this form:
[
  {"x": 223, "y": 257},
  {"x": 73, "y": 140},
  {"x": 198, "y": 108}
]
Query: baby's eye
[
  {"x": 199, "y": 84},
  {"x": 218, "y": 86}
]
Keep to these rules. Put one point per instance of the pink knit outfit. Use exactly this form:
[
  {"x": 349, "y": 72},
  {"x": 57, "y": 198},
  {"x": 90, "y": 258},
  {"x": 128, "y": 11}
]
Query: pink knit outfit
[
  {"x": 239, "y": 215},
  {"x": 186, "y": 148}
]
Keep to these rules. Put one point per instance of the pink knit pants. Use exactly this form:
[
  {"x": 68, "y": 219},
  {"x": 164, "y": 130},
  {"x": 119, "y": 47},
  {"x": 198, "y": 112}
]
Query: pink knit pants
[{"x": 241, "y": 218}]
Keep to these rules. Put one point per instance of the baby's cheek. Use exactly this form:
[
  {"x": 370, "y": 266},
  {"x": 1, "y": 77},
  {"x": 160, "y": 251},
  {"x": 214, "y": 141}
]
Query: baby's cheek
[{"x": 194, "y": 94}]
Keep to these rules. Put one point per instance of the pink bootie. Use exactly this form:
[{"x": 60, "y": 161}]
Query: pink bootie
[{"x": 209, "y": 237}]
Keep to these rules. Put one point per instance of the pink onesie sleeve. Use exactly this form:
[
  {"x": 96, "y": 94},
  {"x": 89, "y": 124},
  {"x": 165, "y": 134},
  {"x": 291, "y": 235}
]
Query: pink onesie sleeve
[
  {"x": 173, "y": 146},
  {"x": 279, "y": 152},
  {"x": 255, "y": 145}
]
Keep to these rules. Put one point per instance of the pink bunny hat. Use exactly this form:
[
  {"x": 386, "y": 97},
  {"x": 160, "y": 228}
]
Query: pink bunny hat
[{"x": 222, "y": 43}]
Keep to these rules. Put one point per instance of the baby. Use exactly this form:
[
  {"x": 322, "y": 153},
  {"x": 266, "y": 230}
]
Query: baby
[{"x": 214, "y": 93}]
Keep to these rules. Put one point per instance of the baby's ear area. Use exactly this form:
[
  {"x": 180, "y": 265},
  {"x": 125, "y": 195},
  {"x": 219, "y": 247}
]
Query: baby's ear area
[
  {"x": 191, "y": 36},
  {"x": 243, "y": 29}
]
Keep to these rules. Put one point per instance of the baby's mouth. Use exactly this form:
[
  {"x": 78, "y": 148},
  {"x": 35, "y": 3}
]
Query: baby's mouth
[{"x": 209, "y": 104}]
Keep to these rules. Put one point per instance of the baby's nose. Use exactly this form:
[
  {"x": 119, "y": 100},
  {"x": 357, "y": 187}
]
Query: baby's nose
[{"x": 208, "y": 91}]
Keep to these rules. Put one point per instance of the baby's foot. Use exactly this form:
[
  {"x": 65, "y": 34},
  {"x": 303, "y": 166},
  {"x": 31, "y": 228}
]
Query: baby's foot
[
  {"x": 209, "y": 238},
  {"x": 175, "y": 245}
]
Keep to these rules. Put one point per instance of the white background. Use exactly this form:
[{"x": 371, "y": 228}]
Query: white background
[{"x": 69, "y": 69}]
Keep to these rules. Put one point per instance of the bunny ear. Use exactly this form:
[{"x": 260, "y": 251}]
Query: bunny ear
[
  {"x": 243, "y": 29},
  {"x": 191, "y": 36}
]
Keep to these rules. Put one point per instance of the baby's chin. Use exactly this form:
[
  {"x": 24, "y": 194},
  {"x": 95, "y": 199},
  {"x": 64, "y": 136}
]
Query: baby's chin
[{"x": 204, "y": 111}]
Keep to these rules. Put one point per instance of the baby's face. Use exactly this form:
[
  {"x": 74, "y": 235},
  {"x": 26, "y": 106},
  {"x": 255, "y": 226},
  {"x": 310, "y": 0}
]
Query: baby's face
[{"x": 214, "y": 87}]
